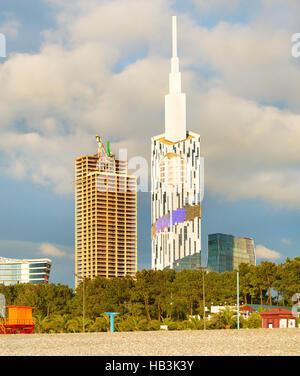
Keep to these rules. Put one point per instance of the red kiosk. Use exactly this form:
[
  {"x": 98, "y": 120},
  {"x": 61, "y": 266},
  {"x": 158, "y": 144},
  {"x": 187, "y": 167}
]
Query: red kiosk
[
  {"x": 19, "y": 320},
  {"x": 278, "y": 318}
]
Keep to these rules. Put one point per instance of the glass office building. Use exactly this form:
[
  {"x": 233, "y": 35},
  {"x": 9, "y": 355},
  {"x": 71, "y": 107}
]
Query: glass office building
[
  {"x": 227, "y": 252},
  {"x": 13, "y": 271},
  {"x": 190, "y": 262}
]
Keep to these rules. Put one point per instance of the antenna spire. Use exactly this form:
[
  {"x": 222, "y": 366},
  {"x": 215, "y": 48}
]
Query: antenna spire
[
  {"x": 175, "y": 103},
  {"x": 174, "y": 35}
]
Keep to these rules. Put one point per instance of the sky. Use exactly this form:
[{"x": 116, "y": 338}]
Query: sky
[{"x": 76, "y": 68}]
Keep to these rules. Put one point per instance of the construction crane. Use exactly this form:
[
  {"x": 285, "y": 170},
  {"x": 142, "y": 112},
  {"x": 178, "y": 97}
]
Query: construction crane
[
  {"x": 101, "y": 153},
  {"x": 101, "y": 150}
]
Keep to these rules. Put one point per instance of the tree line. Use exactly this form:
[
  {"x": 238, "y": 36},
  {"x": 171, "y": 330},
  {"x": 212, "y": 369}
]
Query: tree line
[{"x": 154, "y": 298}]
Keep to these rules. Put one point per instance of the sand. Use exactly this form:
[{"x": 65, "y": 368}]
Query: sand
[{"x": 162, "y": 343}]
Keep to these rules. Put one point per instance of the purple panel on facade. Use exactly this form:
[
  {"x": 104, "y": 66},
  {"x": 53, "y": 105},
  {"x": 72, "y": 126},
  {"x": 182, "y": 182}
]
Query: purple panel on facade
[
  {"x": 178, "y": 216},
  {"x": 162, "y": 222}
]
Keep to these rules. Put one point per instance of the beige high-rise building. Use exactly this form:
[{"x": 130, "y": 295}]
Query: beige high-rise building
[{"x": 105, "y": 217}]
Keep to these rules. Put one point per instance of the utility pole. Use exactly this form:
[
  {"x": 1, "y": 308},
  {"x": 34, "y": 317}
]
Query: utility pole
[
  {"x": 83, "y": 301},
  {"x": 238, "y": 299},
  {"x": 203, "y": 290}
]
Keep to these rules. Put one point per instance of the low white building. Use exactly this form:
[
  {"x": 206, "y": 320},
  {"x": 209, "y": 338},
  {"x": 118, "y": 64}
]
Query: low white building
[
  {"x": 217, "y": 309},
  {"x": 14, "y": 271}
]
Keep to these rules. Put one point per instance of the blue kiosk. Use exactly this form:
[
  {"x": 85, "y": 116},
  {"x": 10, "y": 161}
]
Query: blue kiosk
[{"x": 112, "y": 315}]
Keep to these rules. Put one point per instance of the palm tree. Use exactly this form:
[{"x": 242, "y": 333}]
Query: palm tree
[
  {"x": 224, "y": 319},
  {"x": 40, "y": 321},
  {"x": 74, "y": 325},
  {"x": 60, "y": 322}
]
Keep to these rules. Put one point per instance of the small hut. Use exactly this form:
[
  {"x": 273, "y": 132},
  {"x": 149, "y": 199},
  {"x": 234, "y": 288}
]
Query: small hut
[
  {"x": 278, "y": 318},
  {"x": 19, "y": 320}
]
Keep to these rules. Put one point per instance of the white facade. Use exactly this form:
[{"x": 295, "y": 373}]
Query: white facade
[
  {"x": 218, "y": 309},
  {"x": 176, "y": 176},
  {"x": 14, "y": 271}
]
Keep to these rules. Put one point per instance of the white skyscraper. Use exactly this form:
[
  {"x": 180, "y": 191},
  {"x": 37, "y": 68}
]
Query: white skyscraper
[{"x": 176, "y": 179}]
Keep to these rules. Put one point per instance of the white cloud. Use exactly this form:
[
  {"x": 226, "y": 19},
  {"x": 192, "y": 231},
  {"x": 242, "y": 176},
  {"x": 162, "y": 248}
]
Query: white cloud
[
  {"x": 53, "y": 251},
  {"x": 251, "y": 61},
  {"x": 286, "y": 241},
  {"x": 52, "y": 103},
  {"x": 62, "y": 256},
  {"x": 205, "y": 6},
  {"x": 263, "y": 252},
  {"x": 27, "y": 250},
  {"x": 10, "y": 25},
  {"x": 250, "y": 150}
]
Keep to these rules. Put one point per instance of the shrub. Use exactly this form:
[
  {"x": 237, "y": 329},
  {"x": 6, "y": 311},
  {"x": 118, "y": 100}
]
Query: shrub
[
  {"x": 172, "y": 325},
  {"x": 184, "y": 325},
  {"x": 127, "y": 324},
  {"x": 143, "y": 325},
  {"x": 154, "y": 325},
  {"x": 101, "y": 324},
  {"x": 197, "y": 324},
  {"x": 254, "y": 321}
]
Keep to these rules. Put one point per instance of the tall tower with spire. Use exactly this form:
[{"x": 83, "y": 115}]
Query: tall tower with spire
[
  {"x": 175, "y": 102},
  {"x": 176, "y": 177}
]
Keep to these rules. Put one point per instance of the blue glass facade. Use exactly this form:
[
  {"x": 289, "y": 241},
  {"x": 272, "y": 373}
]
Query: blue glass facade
[{"x": 226, "y": 252}]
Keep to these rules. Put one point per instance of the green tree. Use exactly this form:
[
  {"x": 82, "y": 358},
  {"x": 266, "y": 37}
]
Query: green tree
[
  {"x": 260, "y": 282},
  {"x": 74, "y": 325},
  {"x": 187, "y": 290},
  {"x": 143, "y": 290},
  {"x": 268, "y": 275},
  {"x": 162, "y": 292},
  {"x": 290, "y": 279},
  {"x": 224, "y": 319},
  {"x": 245, "y": 280}
]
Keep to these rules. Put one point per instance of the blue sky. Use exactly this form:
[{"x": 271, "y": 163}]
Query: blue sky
[{"x": 68, "y": 76}]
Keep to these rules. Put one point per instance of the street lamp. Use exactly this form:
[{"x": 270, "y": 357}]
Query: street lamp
[{"x": 83, "y": 300}]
